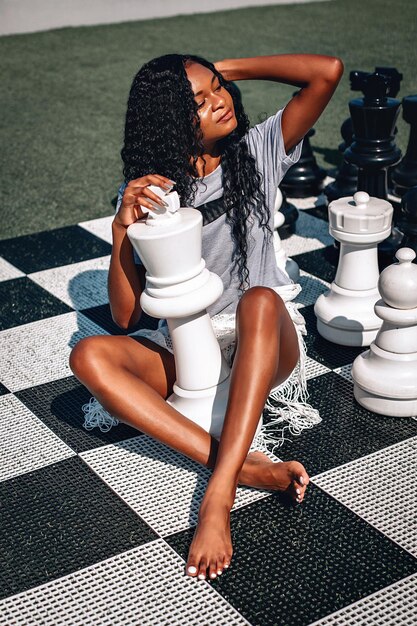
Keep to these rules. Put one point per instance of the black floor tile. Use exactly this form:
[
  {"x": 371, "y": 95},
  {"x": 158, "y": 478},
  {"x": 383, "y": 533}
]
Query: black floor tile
[
  {"x": 62, "y": 246},
  {"x": 347, "y": 431},
  {"x": 59, "y": 405},
  {"x": 59, "y": 519},
  {"x": 321, "y": 211},
  {"x": 293, "y": 565},
  {"x": 3, "y": 390},
  {"x": 23, "y": 301},
  {"x": 321, "y": 263},
  {"x": 101, "y": 315},
  {"x": 329, "y": 354}
]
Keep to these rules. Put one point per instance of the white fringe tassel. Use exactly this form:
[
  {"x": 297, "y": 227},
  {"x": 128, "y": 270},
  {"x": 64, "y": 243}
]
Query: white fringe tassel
[
  {"x": 288, "y": 403},
  {"x": 96, "y": 416}
]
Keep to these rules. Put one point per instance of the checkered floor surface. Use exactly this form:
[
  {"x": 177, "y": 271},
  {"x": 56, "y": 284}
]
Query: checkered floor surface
[{"x": 96, "y": 526}]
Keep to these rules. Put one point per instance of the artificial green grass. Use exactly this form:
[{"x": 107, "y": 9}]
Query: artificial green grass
[{"x": 64, "y": 92}]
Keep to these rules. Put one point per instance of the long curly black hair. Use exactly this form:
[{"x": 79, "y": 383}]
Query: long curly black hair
[{"x": 163, "y": 136}]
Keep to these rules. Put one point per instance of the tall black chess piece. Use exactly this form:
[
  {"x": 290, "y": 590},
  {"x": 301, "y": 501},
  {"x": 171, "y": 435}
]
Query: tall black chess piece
[
  {"x": 408, "y": 220},
  {"x": 404, "y": 175},
  {"x": 346, "y": 177},
  {"x": 304, "y": 178},
  {"x": 373, "y": 149}
]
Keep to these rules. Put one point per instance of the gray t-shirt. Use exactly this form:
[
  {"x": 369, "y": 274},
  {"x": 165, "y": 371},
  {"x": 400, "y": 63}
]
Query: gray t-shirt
[{"x": 266, "y": 144}]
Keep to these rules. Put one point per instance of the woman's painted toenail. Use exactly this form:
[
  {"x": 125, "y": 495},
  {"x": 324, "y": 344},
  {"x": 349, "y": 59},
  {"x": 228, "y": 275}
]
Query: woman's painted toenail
[
  {"x": 219, "y": 572},
  {"x": 213, "y": 575},
  {"x": 201, "y": 577},
  {"x": 192, "y": 569},
  {"x": 301, "y": 480},
  {"x": 298, "y": 491},
  {"x": 226, "y": 565}
]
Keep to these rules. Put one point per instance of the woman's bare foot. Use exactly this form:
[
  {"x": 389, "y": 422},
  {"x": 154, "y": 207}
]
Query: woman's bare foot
[
  {"x": 260, "y": 472},
  {"x": 211, "y": 549}
]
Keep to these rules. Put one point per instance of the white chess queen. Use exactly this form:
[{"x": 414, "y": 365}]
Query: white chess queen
[{"x": 185, "y": 126}]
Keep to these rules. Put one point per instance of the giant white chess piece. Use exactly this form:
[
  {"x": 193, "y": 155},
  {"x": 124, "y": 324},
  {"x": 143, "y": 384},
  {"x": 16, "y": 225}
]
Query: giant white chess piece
[
  {"x": 345, "y": 314},
  {"x": 385, "y": 376},
  {"x": 286, "y": 264},
  {"x": 179, "y": 288}
]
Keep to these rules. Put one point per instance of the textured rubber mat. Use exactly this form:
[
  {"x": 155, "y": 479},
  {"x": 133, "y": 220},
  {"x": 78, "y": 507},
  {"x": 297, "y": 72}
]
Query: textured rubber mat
[
  {"x": 163, "y": 487},
  {"x": 312, "y": 287},
  {"x": 321, "y": 263},
  {"x": 130, "y": 589},
  {"x": 59, "y": 519},
  {"x": 101, "y": 315},
  {"x": 22, "y": 301},
  {"x": 293, "y": 565},
  {"x": 100, "y": 228},
  {"x": 59, "y": 405},
  {"x": 25, "y": 441},
  {"x": 393, "y": 606},
  {"x": 347, "y": 430},
  {"x": 41, "y": 251},
  {"x": 382, "y": 489},
  {"x": 8, "y": 271},
  {"x": 86, "y": 514},
  {"x": 38, "y": 352},
  {"x": 323, "y": 351},
  {"x": 80, "y": 285},
  {"x": 310, "y": 234}
]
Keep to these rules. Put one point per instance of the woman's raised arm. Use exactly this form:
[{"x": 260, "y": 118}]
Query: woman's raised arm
[{"x": 316, "y": 75}]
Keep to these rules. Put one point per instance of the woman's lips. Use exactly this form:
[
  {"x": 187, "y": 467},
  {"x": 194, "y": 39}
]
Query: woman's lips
[{"x": 226, "y": 117}]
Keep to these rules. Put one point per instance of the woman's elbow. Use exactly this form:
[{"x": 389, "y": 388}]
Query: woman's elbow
[
  {"x": 335, "y": 70},
  {"x": 123, "y": 320}
]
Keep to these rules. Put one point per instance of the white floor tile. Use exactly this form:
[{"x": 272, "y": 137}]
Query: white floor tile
[
  {"x": 80, "y": 285},
  {"x": 8, "y": 271},
  {"x": 145, "y": 586},
  {"x": 26, "y": 443},
  {"x": 38, "y": 352},
  {"x": 162, "y": 486}
]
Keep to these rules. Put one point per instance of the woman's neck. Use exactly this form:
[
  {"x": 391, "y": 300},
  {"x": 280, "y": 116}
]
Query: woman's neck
[{"x": 212, "y": 159}]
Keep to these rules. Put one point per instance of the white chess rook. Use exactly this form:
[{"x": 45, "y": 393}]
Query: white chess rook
[
  {"x": 345, "y": 314},
  {"x": 179, "y": 288},
  {"x": 385, "y": 376}
]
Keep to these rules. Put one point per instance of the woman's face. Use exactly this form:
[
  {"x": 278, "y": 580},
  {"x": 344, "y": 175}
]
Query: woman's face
[{"x": 214, "y": 102}]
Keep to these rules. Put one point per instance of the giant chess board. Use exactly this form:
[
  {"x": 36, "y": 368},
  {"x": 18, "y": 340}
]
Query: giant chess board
[{"x": 96, "y": 526}]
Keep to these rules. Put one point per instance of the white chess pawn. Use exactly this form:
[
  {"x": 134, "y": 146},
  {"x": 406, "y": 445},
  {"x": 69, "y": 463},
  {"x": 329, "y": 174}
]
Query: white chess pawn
[
  {"x": 385, "y": 376},
  {"x": 287, "y": 265},
  {"x": 179, "y": 288},
  {"x": 345, "y": 314}
]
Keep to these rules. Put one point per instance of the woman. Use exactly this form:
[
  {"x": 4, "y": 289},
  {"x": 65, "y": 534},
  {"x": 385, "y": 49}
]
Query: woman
[{"x": 186, "y": 126}]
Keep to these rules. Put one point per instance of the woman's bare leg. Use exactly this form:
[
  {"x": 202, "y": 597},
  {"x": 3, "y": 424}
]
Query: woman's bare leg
[
  {"x": 267, "y": 352},
  {"x": 131, "y": 378}
]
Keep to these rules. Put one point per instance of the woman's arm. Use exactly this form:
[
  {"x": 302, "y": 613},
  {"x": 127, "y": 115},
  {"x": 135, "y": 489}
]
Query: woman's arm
[
  {"x": 126, "y": 280},
  {"x": 316, "y": 75}
]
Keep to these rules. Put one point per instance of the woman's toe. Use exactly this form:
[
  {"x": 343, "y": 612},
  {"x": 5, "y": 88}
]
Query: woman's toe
[
  {"x": 191, "y": 569},
  {"x": 213, "y": 570},
  {"x": 202, "y": 570}
]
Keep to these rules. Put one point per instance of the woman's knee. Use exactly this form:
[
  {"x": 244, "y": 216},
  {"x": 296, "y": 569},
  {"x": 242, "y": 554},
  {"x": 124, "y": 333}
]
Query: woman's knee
[
  {"x": 262, "y": 300},
  {"x": 86, "y": 354}
]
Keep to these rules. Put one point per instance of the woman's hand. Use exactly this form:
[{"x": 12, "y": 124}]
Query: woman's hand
[{"x": 137, "y": 196}]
